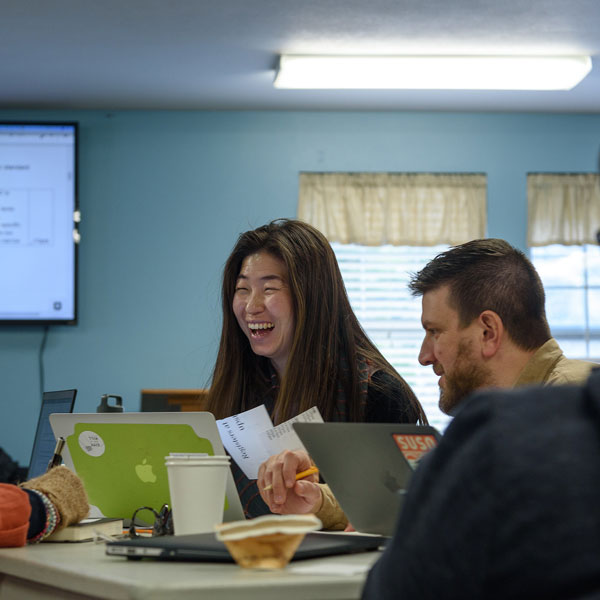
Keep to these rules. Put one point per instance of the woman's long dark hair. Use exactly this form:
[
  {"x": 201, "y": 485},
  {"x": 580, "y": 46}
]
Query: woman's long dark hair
[{"x": 328, "y": 338}]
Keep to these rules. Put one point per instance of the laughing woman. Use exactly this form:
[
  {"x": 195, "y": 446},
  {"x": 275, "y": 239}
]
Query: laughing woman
[{"x": 291, "y": 341}]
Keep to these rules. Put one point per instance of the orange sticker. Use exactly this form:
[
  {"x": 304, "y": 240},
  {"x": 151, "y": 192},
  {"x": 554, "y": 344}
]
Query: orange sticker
[{"x": 414, "y": 446}]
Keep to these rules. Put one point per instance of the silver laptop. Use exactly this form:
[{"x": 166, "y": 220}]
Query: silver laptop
[
  {"x": 120, "y": 457},
  {"x": 368, "y": 466}
]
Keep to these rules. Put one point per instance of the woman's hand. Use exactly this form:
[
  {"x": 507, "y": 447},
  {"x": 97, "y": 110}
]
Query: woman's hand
[{"x": 286, "y": 495}]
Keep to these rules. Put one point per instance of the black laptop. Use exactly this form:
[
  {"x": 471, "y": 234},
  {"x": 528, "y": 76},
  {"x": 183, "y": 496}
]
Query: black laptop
[
  {"x": 206, "y": 547},
  {"x": 44, "y": 442}
]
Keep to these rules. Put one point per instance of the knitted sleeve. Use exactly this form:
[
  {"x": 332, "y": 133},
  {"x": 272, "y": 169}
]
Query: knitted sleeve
[
  {"x": 65, "y": 490},
  {"x": 331, "y": 514}
]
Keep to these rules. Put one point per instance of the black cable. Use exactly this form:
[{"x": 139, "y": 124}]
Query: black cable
[
  {"x": 41, "y": 360},
  {"x": 163, "y": 521},
  {"x": 132, "y": 532}
]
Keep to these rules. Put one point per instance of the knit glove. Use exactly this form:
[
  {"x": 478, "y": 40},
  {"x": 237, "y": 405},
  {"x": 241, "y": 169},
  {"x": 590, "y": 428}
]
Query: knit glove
[{"x": 65, "y": 490}]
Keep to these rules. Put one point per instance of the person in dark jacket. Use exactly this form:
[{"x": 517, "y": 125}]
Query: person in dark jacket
[{"x": 508, "y": 504}]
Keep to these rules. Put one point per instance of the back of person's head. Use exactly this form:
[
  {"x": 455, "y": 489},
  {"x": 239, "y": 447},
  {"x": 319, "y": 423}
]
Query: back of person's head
[{"x": 490, "y": 274}]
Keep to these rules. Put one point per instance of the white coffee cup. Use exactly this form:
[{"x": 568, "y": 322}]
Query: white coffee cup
[{"x": 197, "y": 488}]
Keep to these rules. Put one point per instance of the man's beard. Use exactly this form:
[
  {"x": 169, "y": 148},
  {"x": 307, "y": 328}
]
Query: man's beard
[{"x": 466, "y": 377}]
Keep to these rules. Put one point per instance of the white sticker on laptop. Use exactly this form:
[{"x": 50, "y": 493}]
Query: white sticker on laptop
[{"x": 91, "y": 443}]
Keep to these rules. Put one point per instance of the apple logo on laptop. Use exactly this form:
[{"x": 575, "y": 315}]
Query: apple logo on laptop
[
  {"x": 145, "y": 473},
  {"x": 391, "y": 483}
]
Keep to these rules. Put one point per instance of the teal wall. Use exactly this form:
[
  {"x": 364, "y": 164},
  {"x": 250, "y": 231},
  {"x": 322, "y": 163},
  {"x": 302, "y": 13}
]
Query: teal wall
[{"x": 164, "y": 195}]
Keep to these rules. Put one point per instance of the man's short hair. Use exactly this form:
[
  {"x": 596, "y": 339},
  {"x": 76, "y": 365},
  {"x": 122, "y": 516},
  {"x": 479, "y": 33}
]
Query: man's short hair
[{"x": 490, "y": 274}]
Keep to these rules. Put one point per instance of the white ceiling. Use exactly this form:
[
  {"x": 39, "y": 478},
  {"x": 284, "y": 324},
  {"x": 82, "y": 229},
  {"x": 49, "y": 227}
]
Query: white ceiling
[{"x": 221, "y": 54}]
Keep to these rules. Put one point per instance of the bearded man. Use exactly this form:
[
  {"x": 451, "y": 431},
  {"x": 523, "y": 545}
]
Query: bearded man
[{"x": 483, "y": 312}]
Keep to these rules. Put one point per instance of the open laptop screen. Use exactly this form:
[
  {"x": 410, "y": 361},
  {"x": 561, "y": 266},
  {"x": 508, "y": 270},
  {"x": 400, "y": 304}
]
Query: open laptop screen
[{"x": 44, "y": 442}]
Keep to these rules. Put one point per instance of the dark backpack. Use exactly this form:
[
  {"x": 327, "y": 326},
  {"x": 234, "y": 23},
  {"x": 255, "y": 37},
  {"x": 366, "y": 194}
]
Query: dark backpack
[{"x": 10, "y": 471}]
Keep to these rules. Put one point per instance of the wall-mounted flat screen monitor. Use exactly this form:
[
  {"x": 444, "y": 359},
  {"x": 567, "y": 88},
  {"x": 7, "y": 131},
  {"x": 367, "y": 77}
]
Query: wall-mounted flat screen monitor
[{"x": 38, "y": 223}]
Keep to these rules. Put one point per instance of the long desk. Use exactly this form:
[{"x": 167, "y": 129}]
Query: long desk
[{"x": 82, "y": 570}]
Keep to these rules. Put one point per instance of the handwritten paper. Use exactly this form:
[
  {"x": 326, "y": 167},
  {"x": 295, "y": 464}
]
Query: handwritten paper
[
  {"x": 240, "y": 438},
  {"x": 250, "y": 437}
]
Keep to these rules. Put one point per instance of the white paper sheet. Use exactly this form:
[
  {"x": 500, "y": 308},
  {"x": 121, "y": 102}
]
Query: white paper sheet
[
  {"x": 239, "y": 435},
  {"x": 283, "y": 437},
  {"x": 329, "y": 568},
  {"x": 250, "y": 437}
]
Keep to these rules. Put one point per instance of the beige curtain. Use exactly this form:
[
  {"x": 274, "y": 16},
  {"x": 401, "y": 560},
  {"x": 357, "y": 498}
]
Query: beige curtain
[
  {"x": 563, "y": 208},
  {"x": 373, "y": 209}
]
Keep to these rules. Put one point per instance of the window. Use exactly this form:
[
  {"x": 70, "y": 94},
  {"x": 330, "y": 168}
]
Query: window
[
  {"x": 571, "y": 278},
  {"x": 383, "y": 227},
  {"x": 564, "y": 218},
  {"x": 376, "y": 279}
]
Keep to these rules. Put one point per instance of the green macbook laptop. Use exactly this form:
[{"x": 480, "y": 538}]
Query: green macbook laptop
[{"x": 120, "y": 457}]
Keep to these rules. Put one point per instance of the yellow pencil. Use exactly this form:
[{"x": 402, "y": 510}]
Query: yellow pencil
[{"x": 300, "y": 475}]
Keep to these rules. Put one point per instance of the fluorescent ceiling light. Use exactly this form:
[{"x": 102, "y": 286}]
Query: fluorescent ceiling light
[{"x": 432, "y": 72}]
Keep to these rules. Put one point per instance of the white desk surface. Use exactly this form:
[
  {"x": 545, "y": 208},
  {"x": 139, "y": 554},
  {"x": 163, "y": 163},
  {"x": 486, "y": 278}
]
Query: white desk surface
[{"x": 83, "y": 570}]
